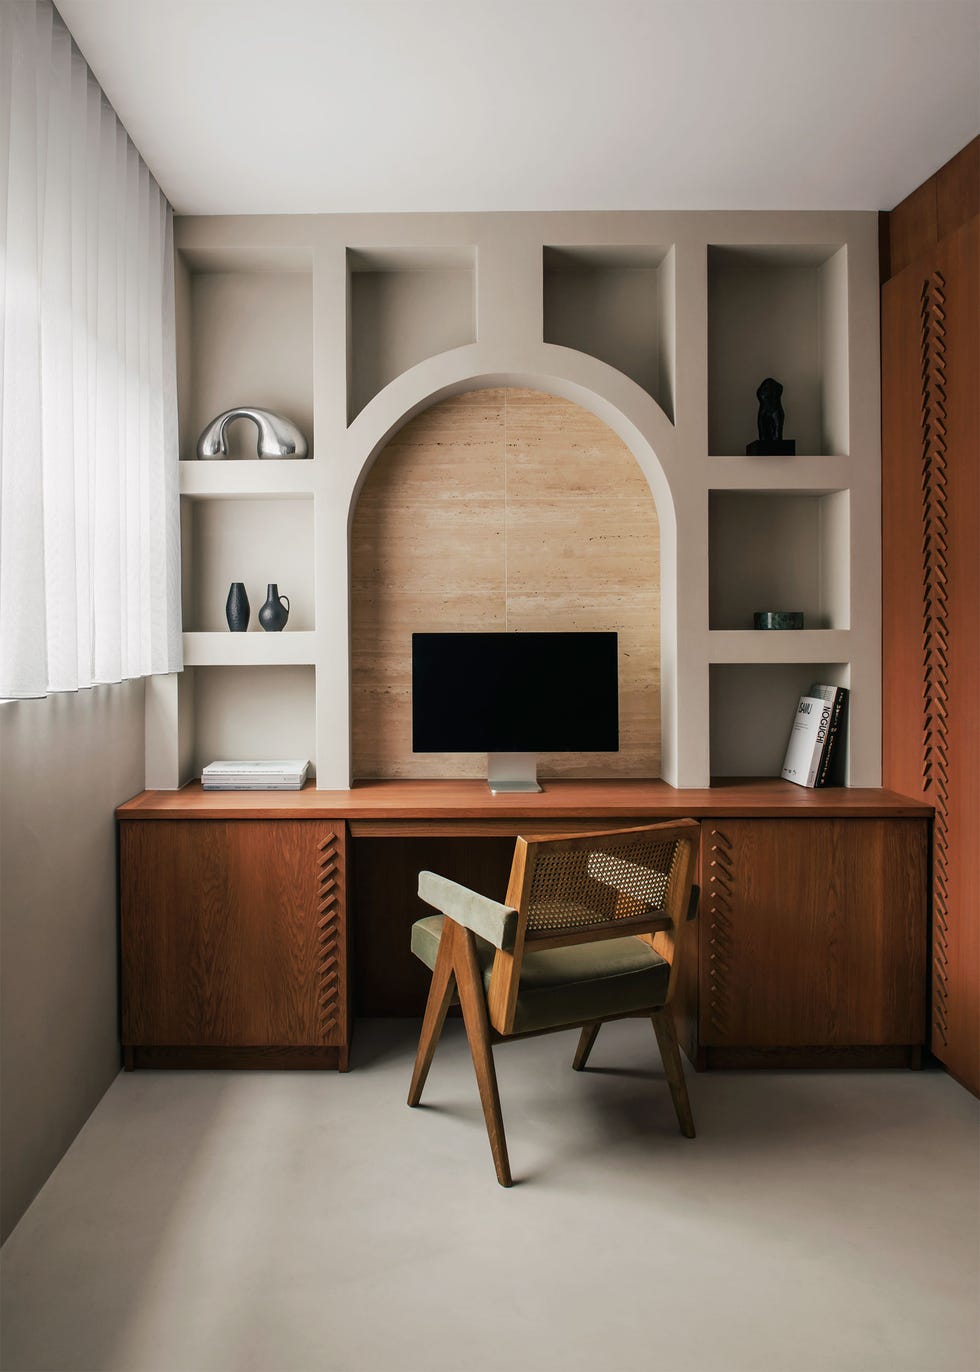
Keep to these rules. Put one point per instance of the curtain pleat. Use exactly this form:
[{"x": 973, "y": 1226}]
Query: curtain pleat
[{"x": 89, "y": 505}]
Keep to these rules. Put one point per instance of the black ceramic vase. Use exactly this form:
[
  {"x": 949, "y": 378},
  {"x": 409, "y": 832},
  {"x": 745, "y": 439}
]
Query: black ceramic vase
[
  {"x": 237, "y": 609},
  {"x": 274, "y": 613}
]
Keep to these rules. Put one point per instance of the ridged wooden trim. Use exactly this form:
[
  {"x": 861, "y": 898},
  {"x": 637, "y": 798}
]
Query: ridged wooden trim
[
  {"x": 935, "y": 622},
  {"x": 330, "y": 938},
  {"x": 721, "y": 886}
]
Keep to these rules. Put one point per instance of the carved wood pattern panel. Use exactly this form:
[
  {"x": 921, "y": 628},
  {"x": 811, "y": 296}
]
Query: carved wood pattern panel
[
  {"x": 721, "y": 889},
  {"x": 935, "y": 622},
  {"x": 931, "y": 604},
  {"x": 331, "y": 940}
]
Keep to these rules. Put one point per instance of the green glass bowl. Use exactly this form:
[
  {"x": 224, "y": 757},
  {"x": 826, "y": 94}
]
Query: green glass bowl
[{"x": 778, "y": 619}]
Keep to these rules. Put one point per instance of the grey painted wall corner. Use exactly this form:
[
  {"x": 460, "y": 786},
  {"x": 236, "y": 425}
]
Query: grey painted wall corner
[{"x": 66, "y": 762}]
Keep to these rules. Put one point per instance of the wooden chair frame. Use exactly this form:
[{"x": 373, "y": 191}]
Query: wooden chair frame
[{"x": 489, "y": 1016}]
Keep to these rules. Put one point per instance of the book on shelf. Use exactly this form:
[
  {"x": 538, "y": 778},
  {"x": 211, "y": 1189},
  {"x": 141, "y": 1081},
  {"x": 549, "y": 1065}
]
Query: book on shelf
[
  {"x": 832, "y": 762},
  {"x": 280, "y": 775},
  {"x": 815, "y": 752}
]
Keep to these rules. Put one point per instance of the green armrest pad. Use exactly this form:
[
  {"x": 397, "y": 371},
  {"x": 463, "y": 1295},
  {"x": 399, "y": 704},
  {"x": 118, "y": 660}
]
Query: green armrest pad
[
  {"x": 488, "y": 918},
  {"x": 564, "y": 986}
]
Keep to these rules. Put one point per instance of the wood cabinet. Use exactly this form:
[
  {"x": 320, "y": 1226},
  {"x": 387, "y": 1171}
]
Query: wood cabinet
[
  {"x": 931, "y": 566},
  {"x": 234, "y": 942},
  {"x": 811, "y": 938},
  {"x": 810, "y": 945}
]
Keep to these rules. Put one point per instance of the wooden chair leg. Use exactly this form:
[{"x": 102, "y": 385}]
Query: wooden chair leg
[
  {"x": 663, "y": 1027},
  {"x": 586, "y": 1039},
  {"x": 474, "y": 1006},
  {"x": 440, "y": 997}
]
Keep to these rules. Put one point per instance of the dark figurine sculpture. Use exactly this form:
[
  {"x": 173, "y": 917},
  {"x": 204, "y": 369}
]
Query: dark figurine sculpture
[
  {"x": 771, "y": 415},
  {"x": 770, "y": 442}
]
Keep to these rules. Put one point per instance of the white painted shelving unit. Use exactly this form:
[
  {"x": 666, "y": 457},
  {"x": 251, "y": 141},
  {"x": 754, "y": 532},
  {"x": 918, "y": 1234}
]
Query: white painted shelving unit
[{"x": 662, "y": 324}]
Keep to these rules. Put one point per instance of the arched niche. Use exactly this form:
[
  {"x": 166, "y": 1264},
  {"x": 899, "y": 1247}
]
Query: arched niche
[{"x": 502, "y": 508}]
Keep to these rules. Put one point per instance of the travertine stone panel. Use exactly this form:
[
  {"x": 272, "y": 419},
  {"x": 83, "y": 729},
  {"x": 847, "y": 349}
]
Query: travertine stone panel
[
  {"x": 583, "y": 553},
  {"x": 502, "y": 509}
]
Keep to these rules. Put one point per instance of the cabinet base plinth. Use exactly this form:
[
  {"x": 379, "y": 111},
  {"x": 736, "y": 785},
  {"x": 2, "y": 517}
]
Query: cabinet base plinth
[
  {"x": 245, "y": 1059},
  {"x": 871, "y": 1055}
]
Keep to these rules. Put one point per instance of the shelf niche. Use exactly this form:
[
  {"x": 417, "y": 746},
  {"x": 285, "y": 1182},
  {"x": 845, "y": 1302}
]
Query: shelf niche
[
  {"x": 251, "y": 539},
  {"x": 778, "y": 551},
  {"x": 752, "y": 711},
  {"x": 780, "y": 312},
  {"x": 403, "y": 306},
  {"x": 244, "y": 338},
  {"x": 261, "y": 713},
  {"x": 618, "y": 305}
]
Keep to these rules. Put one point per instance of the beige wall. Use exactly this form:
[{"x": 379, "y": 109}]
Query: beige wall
[
  {"x": 500, "y": 509},
  {"x": 65, "y": 763}
]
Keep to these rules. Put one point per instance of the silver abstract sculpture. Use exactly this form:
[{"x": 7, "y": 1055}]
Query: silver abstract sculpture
[{"x": 278, "y": 436}]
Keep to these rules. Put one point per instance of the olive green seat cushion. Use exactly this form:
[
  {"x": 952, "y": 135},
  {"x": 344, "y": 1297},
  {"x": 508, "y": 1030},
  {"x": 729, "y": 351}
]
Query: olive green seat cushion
[{"x": 589, "y": 981}]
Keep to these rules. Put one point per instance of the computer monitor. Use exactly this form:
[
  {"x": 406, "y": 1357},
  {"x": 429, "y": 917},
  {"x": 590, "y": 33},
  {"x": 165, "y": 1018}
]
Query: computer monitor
[{"x": 514, "y": 695}]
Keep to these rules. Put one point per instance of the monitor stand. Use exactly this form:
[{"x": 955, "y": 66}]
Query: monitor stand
[{"x": 512, "y": 772}]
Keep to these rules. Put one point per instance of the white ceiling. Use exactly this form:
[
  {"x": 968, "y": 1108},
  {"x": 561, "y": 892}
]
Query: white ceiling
[{"x": 246, "y": 106}]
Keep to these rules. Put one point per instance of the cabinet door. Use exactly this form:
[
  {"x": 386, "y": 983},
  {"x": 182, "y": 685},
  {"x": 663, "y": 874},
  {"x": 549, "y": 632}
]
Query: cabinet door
[
  {"x": 813, "y": 932},
  {"x": 233, "y": 933},
  {"x": 930, "y": 471}
]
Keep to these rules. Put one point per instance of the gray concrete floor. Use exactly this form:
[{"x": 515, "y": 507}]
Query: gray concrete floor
[{"x": 280, "y": 1222}]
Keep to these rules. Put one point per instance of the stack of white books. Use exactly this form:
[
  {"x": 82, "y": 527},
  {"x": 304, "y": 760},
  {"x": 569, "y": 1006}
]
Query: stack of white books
[{"x": 255, "y": 776}]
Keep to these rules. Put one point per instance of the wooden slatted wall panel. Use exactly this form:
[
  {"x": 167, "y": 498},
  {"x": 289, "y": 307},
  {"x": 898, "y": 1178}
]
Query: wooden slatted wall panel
[{"x": 931, "y": 608}]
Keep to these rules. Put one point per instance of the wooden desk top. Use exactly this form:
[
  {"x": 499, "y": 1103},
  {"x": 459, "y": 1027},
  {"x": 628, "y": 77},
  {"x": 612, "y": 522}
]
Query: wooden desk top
[{"x": 377, "y": 803}]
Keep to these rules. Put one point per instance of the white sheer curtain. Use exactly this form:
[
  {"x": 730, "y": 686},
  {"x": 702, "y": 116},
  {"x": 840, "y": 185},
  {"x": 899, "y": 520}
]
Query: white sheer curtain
[{"x": 89, "y": 512}]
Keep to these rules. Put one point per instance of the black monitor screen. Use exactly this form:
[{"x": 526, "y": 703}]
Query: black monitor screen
[{"x": 515, "y": 693}]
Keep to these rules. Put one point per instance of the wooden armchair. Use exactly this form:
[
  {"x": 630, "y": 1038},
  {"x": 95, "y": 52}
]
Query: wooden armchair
[{"x": 591, "y": 931}]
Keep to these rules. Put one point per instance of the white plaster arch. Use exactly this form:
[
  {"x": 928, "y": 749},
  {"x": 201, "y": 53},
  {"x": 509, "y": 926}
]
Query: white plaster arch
[
  {"x": 611, "y": 396},
  {"x": 629, "y": 411}
]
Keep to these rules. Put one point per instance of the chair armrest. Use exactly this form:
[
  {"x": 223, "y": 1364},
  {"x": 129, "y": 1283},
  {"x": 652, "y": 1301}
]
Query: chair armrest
[{"x": 494, "y": 922}]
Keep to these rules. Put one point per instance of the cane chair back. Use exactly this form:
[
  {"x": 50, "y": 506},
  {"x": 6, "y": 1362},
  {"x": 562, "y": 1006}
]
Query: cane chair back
[{"x": 590, "y": 887}]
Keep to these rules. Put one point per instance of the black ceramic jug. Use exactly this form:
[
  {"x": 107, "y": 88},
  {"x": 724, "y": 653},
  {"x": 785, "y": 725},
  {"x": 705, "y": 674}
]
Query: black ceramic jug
[{"x": 274, "y": 613}]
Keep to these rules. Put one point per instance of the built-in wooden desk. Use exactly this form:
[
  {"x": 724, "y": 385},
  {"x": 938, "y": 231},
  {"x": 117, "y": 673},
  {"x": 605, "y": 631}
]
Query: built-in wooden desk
[{"x": 249, "y": 917}]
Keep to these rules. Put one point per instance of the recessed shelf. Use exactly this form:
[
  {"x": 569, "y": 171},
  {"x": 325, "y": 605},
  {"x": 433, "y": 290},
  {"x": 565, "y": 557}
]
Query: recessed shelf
[
  {"x": 246, "y": 339},
  {"x": 270, "y": 478},
  {"x": 802, "y": 475},
  {"x": 777, "y": 645},
  {"x": 781, "y": 312},
  {"x": 778, "y": 550},
  {"x": 249, "y": 539},
  {"x": 616, "y": 304},
  {"x": 253, "y": 649},
  {"x": 254, "y": 712},
  {"x": 752, "y": 711},
  {"x": 404, "y": 306}
]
